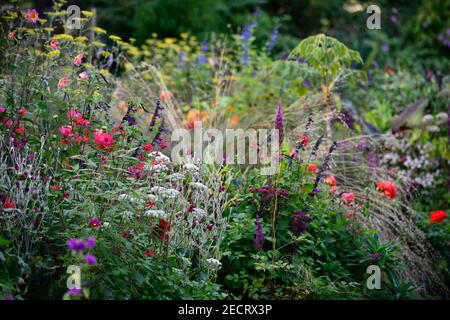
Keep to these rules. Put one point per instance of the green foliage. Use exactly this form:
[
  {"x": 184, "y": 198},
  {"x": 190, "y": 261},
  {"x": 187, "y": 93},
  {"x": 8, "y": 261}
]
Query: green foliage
[{"x": 326, "y": 55}]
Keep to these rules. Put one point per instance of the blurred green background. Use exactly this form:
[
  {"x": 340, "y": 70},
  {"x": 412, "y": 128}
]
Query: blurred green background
[{"x": 422, "y": 23}]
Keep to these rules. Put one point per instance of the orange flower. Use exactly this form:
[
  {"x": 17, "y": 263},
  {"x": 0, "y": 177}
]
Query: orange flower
[
  {"x": 312, "y": 168},
  {"x": 193, "y": 115},
  {"x": 234, "y": 120},
  {"x": 389, "y": 190},
  {"x": 437, "y": 216}
]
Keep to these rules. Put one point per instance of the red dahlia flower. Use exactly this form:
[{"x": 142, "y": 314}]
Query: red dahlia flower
[
  {"x": 388, "y": 189},
  {"x": 104, "y": 140}
]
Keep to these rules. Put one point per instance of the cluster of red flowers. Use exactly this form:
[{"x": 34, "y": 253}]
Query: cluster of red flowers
[
  {"x": 77, "y": 118},
  {"x": 149, "y": 253},
  {"x": 17, "y": 125},
  {"x": 136, "y": 171},
  {"x": 388, "y": 189},
  {"x": 9, "y": 204},
  {"x": 162, "y": 229},
  {"x": 68, "y": 133}
]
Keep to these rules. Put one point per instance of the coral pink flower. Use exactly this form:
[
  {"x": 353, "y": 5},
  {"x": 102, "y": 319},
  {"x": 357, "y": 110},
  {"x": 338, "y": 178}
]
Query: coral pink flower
[
  {"x": 23, "y": 111},
  {"x": 104, "y": 140},
  {"x": 84, "y": 76},
  {"x": 312, "y": 168},
  {"x": 333, "y": 189},
  {"x": 437, "y": 216},
  {"x": 63, "y": 82},
  {"x": 54, "y": 44},
  {"x": 12, "y": 35},
  {"x": 348, "y": 198},
  {"x": 330, "y": 180},
  {"x": 8, "y": 204},
  {"x": 294, "y": 154},
  {"x": 32, "y": 16},
  {"x": 78, "y": 59},
  {"x": 389, "y": 190},
  {"x": 65, "y": 130},
  {"x": 165, "y": 95}
]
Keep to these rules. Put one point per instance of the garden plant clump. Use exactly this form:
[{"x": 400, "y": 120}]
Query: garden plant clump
[{"x": 94, "y": 205}]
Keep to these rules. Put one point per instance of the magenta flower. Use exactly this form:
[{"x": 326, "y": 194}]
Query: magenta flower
[
  {"x": 76, "y": 245},
  {"x": 65, "y": 130},
  {"x": 91, "y": 259},
  {"x": 74, "y": 292},
  {"x": 94, "y": 222},
  {"x": 375, "y": 256},
  {"x": 90, "y": 243}
]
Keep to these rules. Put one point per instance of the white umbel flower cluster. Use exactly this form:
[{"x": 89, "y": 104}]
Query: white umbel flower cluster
[
  {"x": 199, "y": 186},
  {"x": 214, "y": 263},
  {"x": 156, "y": 214}
]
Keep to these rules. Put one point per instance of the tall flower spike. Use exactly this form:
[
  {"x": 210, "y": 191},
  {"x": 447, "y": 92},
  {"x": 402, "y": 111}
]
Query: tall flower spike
[
  {"x": 259, "y": 237},
  {"x": 325, "y": 165},
  {"x": 156, "y": 114},
  {"x": 316, "y": 146},
  {"x": 279, "y": 122}
]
